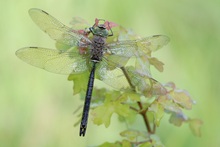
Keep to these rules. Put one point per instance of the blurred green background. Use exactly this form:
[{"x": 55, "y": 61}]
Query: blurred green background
[{"x": 36, "y": 106}]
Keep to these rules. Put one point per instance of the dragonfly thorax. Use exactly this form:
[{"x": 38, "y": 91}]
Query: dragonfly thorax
[{"x": 98, "y": 45}]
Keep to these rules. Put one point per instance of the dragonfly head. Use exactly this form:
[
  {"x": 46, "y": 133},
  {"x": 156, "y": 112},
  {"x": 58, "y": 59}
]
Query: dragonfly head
[{"x": 99, "y": 30}]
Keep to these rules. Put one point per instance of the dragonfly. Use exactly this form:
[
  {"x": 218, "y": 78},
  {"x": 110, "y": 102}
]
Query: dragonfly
[{"x": 85, "y": 53}]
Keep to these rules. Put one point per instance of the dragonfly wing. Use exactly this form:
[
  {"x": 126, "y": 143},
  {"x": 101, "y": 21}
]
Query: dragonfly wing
[
  {"x": 137, "y": 47},
  {"x": 79, "y": 23},
  {"x": 153, "y": 43},
  {"x": 115, "y": 61},
  {"x": 112, "y": 76},
  {"x": 53, "y": 60},
  {"x": 55, "y": 29},
  {"x": 146, "y": 85}
]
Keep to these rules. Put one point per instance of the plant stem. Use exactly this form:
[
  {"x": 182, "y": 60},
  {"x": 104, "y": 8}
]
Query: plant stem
[
  {"x": 141, "y": 111},
  {"x": 128, "y": 78}
]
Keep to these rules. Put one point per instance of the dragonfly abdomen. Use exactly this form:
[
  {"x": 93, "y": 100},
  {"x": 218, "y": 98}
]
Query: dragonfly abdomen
[{"x": 87, "y": 102}]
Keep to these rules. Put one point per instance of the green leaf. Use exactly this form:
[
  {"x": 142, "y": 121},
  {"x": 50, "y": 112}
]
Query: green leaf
[
  {"x": 158, "y": 111},
  {"x": 133, "y": 135},
  {"x": 170, "y": 86},
  {"x": 112, "y": 104},
  {"x": 177, "y": 119},
  {"x": 129, "y": 119},
  {"x": 80, "y": 81},
  {"x": 126, "y": 143},
  {"x": 131, "y": 95},
  {"x": 107, "y": 144},
  {"x": 98, "y": 95},
  {"x": 156, "y": 63},
  {"x": 168, "y": 104},
  {"x": 147, "y": 144},
  {"x": 102, "y": 114},
  {"x": 182, "y": 98},
  {"x": 195, "y": 126},
  {"x": 122, "y": 109},
  {"x": 112, "y": 96}
]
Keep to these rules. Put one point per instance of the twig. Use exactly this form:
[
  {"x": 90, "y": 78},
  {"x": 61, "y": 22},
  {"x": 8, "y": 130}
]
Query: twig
[{"x": 141, "y": 111}]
